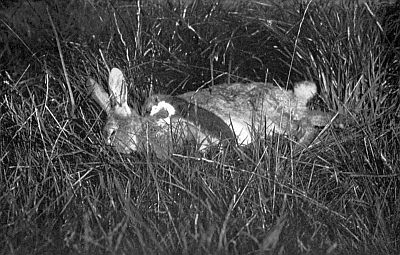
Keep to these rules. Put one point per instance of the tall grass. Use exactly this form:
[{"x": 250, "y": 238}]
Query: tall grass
[{"x": 63, "y": 191}]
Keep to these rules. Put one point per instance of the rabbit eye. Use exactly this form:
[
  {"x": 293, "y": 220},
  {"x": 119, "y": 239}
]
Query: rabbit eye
[
  {"x": 146, "y": 109},
  {"x": 110, "y": 135}
]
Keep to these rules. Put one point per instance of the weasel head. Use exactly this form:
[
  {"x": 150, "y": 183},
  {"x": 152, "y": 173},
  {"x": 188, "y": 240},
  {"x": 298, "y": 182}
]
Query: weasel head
[{"x": 160, "y": 107}]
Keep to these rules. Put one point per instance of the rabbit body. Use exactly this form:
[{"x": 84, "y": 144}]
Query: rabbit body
[{"x": 254, "y": 107}]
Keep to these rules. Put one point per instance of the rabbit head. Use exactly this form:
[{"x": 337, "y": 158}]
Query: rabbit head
[{"x": 124, "y": 124}]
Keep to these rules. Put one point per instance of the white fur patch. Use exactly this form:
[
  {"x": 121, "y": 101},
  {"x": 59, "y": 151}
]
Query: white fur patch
[
  {"x": 163, "y": 106},
  {"x": 241, "y": 130},
  {"x": 305, "y": 90}
]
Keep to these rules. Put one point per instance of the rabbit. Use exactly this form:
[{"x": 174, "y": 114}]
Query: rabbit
[
  {"x": 221, "y": 112},
  {"x": 249, "y": 108},
  {"x": 127, "y": 131}
]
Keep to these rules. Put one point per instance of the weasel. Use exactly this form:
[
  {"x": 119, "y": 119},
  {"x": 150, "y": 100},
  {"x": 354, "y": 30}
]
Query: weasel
[{"x": 171, "y": 106}]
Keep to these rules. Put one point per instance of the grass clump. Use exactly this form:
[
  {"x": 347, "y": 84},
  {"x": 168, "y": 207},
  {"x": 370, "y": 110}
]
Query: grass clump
[{"x": 64, "y": 192}]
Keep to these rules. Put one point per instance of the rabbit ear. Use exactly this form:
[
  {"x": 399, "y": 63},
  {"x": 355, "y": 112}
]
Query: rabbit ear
[
  {"x": 119, "y": 93},
  {"x": 99, "y": 94}
]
